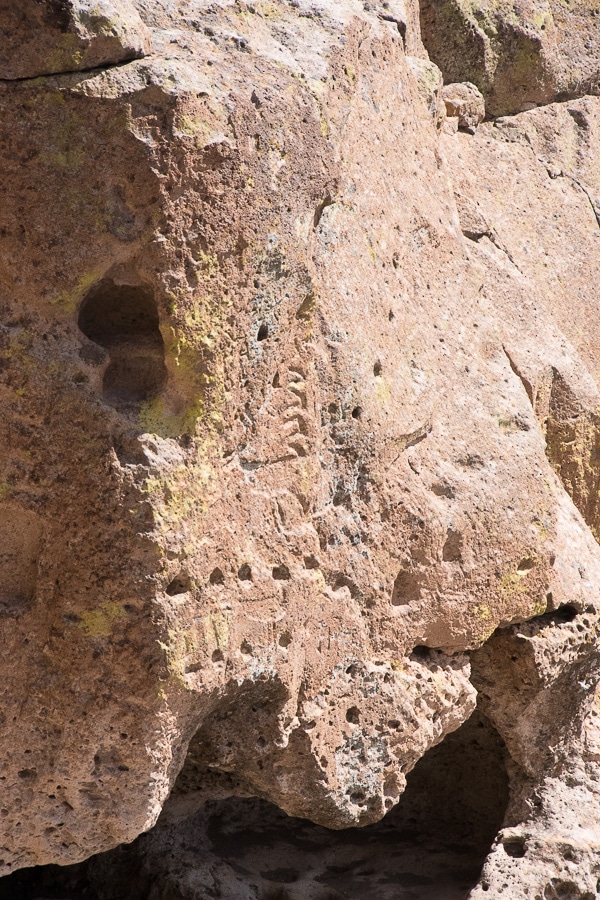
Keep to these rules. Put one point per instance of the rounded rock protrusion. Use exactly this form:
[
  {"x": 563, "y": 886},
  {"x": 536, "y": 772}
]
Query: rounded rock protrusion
[{"x": 466, "y": 103}]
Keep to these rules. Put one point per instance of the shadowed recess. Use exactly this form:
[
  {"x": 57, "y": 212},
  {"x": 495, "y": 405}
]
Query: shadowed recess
[
  {"x": 123, "y": 319},
  {"x": 431, "y": 846}
]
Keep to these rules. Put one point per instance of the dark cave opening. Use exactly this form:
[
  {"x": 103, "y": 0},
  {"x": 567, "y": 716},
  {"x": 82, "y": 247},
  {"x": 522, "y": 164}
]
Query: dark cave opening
[
  {"x": 430, "y": 847},
  {"x": 123, "y": 319}
]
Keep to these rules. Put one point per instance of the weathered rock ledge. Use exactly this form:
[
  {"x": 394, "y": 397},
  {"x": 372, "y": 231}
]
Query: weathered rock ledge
[{"x": 299, "y": 388}]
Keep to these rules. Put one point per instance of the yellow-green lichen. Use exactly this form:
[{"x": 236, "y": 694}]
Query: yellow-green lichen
[
  {"x": 101, "y": 621},
  {"x": 70, "y": 299}
]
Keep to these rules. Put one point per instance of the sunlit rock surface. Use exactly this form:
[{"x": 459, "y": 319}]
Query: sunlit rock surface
[{"x": 299, "y": 428}]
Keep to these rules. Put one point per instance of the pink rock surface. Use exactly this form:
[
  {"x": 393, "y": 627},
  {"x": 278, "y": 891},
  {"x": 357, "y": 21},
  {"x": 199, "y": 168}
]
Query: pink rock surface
[{"x": 299, "y": 408}]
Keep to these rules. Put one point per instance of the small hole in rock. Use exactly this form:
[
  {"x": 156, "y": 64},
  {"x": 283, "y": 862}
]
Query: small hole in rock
[
  {"x": 357, "y": 412},
  {"x": 377, "y": 369},
  {"x": 407, "y": 588},
  {"x": 452, "y": 549},
  {"x": 353, "y": 715},
  {"x": 285, "y": 639},
  {"x": 123, "y": 319},
  {"x": 281, "y": 573},
  {"x": 245, "y": 572},
  {"x": 526, "y": 565},
  {"x": 515, "y": 847},
  {"x": 246, "y": 648},
  {"x": 217, "y": 577},
  {"x": 263, "y": 333},
  {"x": 420, "y": 653},
  {"x": 310, "y": 562},
  {"x": 217, "y": 656},
  {"x": 181, "y": 584}
]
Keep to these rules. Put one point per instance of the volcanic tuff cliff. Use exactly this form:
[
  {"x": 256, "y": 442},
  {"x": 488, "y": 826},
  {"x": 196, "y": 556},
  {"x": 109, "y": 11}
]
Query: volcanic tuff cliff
[{"x": 300, "y": 421}]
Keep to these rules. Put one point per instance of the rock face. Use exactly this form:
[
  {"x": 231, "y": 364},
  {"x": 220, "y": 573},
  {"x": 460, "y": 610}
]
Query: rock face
[
  {"x": 300, "y": 410},
  {"x": 520, "y": 56},
  {"x": 465, "y": 103},
  {"x": 41, "y": 37}
]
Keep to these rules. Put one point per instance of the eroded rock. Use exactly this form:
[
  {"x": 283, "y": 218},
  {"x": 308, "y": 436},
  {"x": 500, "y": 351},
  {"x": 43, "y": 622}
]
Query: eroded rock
[
  {"x": 464, "y": 102},
  {"x": 519, "y": 57},
  {"x": 299, "y": 409},
  {"x": 42, "y": 37}
]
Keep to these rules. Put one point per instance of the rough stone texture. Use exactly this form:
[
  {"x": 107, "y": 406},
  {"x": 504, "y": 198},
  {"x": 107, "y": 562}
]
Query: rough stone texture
[
  {"x": 299, "y": 412},
  {"x": 222, "y": 843},
  {"x": 538, "y": 683},
  {"x": 519, "y": 55},
  {"x": 429, "y": 87},
  {"x": 41, "y": 37},
  {"x": 464, "y": 102}
]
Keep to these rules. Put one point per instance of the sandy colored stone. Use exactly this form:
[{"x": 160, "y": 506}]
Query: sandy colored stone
[
  {"x": 41, "y": 37},
  {"x": 464, "y": 102},
  {"x": 299, "y": 405},
  {"x": 429, "y": 85},
  {"x": 518, "y": 56}
]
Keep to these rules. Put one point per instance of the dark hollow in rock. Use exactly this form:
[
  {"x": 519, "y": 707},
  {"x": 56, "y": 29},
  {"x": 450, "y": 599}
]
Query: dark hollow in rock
[
  {"x": 432, "y": 844},
  {"x": 123, "y": 319},
  {"x": 245, "y": 572},
  {"x": 181, "y": 584},
  {"x": 217, "y": 577}
]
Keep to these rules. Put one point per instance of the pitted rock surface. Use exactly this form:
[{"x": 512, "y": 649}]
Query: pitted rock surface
[{"x": 299, "y": 428}]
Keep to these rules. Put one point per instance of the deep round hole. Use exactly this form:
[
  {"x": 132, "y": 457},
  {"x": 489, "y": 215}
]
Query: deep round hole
[
  {"x": 353, "y": 715},
  {"x": 263, "y": 333},
  {"x": 357, "y": 412}
]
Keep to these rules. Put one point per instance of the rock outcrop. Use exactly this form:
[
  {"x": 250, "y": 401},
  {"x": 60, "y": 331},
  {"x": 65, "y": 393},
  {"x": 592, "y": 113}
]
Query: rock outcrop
[
  {"x": 519, "y": 55},
  {"x": 299, "y": 428},
  {"x": 44, "y": 37}
]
